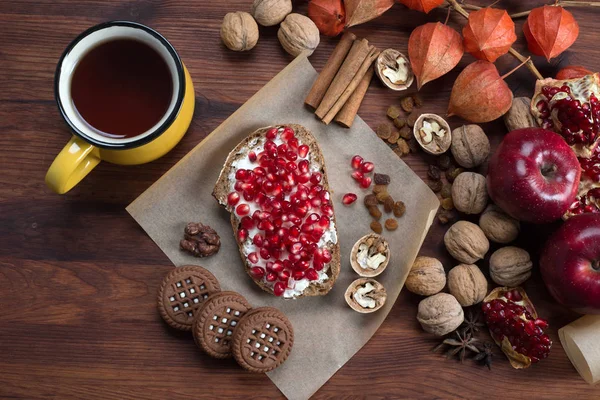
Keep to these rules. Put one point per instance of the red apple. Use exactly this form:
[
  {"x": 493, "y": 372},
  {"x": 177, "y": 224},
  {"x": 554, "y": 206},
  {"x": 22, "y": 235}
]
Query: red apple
[
  {"x": 533, "y": 175},
  {"x": 570, "y": 264}
]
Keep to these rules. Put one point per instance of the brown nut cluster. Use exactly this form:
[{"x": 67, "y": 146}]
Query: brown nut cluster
[
  {"x": 370, "y": 255},
  {"x": 394, "y": 70},
  {"x": 466, "y": 242},
  {"x": 426, "y": 277},
  {"x": 271, "y": 12},
  {"x": 433, "y": 133},
  {"x": 519, "y": 115},
  {"x": 440, "y": 314},
  {"x": 365, "y": 295},
  {"x": 470, "y": 146},
  {"x": 469, "y": 193},
  {"x": 200, "y": 240},
  {"x": 298, "y": 33},
  {"x": 467, "y": 283},
  {"x": 510, "y": 266},
  {"x": 239, "y": 31},
  {"x": 498, "y": 226}
]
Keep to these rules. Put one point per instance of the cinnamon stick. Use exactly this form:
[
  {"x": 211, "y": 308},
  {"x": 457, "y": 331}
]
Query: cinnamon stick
[
  {"x": 348, "y": 112},
  {"x": 337, "y": 106},
  {"x": 331, "y": 68},
  {"x": 356, "y": 57}
]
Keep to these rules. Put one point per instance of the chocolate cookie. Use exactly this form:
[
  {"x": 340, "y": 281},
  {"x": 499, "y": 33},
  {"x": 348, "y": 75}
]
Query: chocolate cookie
[
  {"x": 217, "y": 319},
  {"x": 183, "y": 291},
  {"x": 263, "y": 340}
]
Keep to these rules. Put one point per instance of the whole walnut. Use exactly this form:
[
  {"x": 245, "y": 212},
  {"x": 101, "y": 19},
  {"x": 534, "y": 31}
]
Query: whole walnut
[
  {"x": 298, "y": 33},
  {"x": 440, "y": 314},
  {"x": 498, "y": 226},
  {"x": 519, "y": 115},
  {"x": 510, "y": 266},
  {"x": 466, "y": 242},
  {"x": 426, "y": 277},
  {"x": 271, "y": 12},
  {"x": 469, "y": 193},
  {"x": 239, "y": 31},
  {"x": 470, "y": 146},
  {"x": 467, "y": 283}
]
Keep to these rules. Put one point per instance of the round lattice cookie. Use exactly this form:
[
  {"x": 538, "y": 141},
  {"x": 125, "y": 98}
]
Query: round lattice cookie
[
  {"x": 183, "y": 291},
  {"x": 216, "y": 321},
  {"x": 263, "y": 339}
]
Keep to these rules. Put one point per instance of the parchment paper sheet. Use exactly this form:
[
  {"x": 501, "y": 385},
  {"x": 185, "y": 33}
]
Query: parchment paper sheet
[
  {"x": 580, "y": 341},
  {"x": 327, "y": 332}
]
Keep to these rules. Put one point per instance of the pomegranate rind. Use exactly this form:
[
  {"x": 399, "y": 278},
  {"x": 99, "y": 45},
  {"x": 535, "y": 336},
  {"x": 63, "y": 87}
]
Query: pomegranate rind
[{"x": 573, "y": 71}]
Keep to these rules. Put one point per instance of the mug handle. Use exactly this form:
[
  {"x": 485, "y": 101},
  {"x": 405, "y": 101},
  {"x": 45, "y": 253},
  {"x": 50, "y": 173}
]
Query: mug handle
[{"x": 71, "y": 165}]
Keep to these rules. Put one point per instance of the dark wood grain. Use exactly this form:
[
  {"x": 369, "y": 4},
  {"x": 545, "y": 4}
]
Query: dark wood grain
[{"x": 78, "y": 277}]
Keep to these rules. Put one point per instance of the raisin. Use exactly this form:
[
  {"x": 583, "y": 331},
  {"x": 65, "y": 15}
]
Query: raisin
[
  {"x": 379, "y": 189},
  {"x": 391, "y": 224},
  {"x": 407, "y": 103},
  {"x": 394, "y": 137},
  {"x": 434, "y": 173},
  {"x": 444, "y": 162},
  {"x": 447, "y": 204},
  {"x": 382, "y": 179},
  {"x": 436, "y": 186},
  {"x": 375, "y": 212},
  {"x": 399, "y": 209},
  {"x": 400, "y": 123},
  {"x": 446, "y": 191},
  {"x": 393, "y": 112},
  {"x": 388, "y": 204},
  {"x": 370, "y": 200},
  {"x": 384, "y": 131},
  {"x": 376, "y": 227},
  {"x": 406, "y": 133}
]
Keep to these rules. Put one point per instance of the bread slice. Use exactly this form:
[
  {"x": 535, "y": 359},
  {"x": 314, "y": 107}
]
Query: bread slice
[{"x": 238, "y": 159}]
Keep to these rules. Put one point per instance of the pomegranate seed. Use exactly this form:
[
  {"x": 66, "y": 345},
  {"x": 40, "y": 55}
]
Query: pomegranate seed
[
  {"x": 242, "y": 209},
  {"x": 233, "y": 198},
  {"x": 297, "y": 275},
  {"x": 253, "y": 257},
  {"x": 271, "y": 133},
  {"x": 303, "y": 166},
  {"x": 238, "y": 186},
  {"x": 311, "y": 274},
  {"x": 316, "y": 178},
  {"x": 327, "y": 210},
  {"x": 277, "y": 266},
  {"x": 252, "y": 157},
  {"x": 271, "y": 276},
  {"x": 313, "y": 218},
  {"x": 324, "y": 196},
  {"x": 258, "y": 240},
  {"x": 326, "y": 256},
  {"x": 241, "y": 174},
  {"x": 315, "y": 202},
  {"x": 356, "y": 162},
  {"x": 266, "y": 225},
  {"x": 296, "y": 248},
  {"x": 349, "y": 198},
  {"x": 302, "y": 265},
  {"x": 357, "y": 176},
  {"x": 367, "y": 167},
  {"x": 278, "y": 289},
  {"x": 303, "y": 151},
  {"x": 318, "y": 265},
  {"x": 284, "y": 275},
  {"x": 324, "y": 221},
  {"x": 294, "y": 231},
  {"x": 264, "y": 253},
  {"x": 366, "y": 182},
  {"x": 257, "y": 272},
  {"x": 291, "y": 156},
  {"x": 242, "y": 235},
  {"x": 287, "y": 134},
  {"x": 247, "y": 223}
]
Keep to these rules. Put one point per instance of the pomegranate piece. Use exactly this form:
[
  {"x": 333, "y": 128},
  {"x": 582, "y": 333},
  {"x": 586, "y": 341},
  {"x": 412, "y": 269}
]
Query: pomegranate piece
[
  {"x": 279, "y": 289},
  {"x": 356, "y": 162},
  {"x": 257, "y": 272},
  {"x": 242, "y": 209},
  {"x": 252, "y": 156},
  {"x": 242, "y": 235},
  {"x": 367, "y": 167},
  {"x": 357, "y": 176},
  {"x": 366, "y": 182},
  {"x": 311, "y": 274},
  {"x": 303, "y": 151},
  {"x": 515, "y": 326},
  {"x": 348, "y": 199},
  {"x": 571, "y": 107},
  {"x": 233, "y": 198}
]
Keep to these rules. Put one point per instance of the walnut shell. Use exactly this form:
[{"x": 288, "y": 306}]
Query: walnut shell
[
  {"x": 510, "y": 266},
  {"x": 469, "y": 193},
  {"x": 498, "y": 226},
  {"x": 519, "y": 115},
  {"x": 298, "y": 33},
  {"x": 470, "y": 146},
  {"x": 466, "y": 242},
  {"x": 239, "y": 31},
  {"x": 440, "y": 314},
  {"x": 393, "y": 63},
  {"x": 426, "y": 277},
  {"x": 379, "y": 295},
  {"x": 432, "y": 143},
  {"x": 371, "y": 240},
  {"x": 467, "y": 283},
  {"x": 271, "y": 12}
]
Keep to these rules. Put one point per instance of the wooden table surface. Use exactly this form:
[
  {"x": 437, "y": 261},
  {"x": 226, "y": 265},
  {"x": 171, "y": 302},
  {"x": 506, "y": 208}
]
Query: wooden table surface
[{"x": 78, "y": 276}]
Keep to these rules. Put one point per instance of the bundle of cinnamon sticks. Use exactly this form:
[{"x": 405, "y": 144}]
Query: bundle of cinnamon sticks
[{"x": 340, "y": 88}]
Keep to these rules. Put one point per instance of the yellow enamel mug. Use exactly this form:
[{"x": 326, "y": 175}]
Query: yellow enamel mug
[{"x": 88, "y": 146}]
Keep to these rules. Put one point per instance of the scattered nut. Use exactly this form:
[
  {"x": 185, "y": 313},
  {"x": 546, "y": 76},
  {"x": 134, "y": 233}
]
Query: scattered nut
[
  {"x": 412, "y": 118},
  {"x": 365, "y": 295},
  {"x": 399, "y": 209},
  {"x": 466, "y": 242},
  {"x": 519, "y": 115},
  {"x": 271, "y": 12},
  {"x": 469, "y": 193},
  {"x": 510, "y": 266},
  {"x": 447, "y": 204},
  {"x": 384, "y": 131},
  {"x": 298, "y": 33},
  {"x": 467, "y": 283},
  {"x": 446, "y": 192},
  {"x": 453, "y": 172},
  {"x": 432, "y": 133},
  {"x": 239, "y": 31},
  {"x": 200, "y": 240},
  {"x": 470, "y": 146},
  {"x": 394, "y": 137},
  {"x": 376, "y": 227},
  {"x": 434, "y": 173},
  {"x": 388, "y": 204},
  {"x": 435, "y": 186},
  {"x": 393, "y": 112},
  {"x": 391, "y": 224},
  {"x": 381, "y": 179},
  {"x": 498, "y": 226},
  {"x": 440, "y": 314},
  {"x": 400, "y": 123},
  {"x": 394, "y": 70},
  {"x": 370, "y": 255},
  {"x": 426, "y": 277},
  {"x": 403, "y": 148},
  {"x": 407, "y": 103},
  {"x": 444, "y": 162},
  {"x": 375, "y": 212},
  {"x": 370, "y": 200}
]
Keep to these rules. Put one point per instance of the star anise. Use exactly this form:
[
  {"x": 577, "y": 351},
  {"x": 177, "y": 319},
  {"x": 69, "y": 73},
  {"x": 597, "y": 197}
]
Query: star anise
[
  {"x": 472, "y": 322},
  {"x": 485, "y": 355},
  {"x": 464, "y": 342}
]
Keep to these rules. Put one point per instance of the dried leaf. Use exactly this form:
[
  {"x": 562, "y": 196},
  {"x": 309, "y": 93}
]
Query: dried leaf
[
  {"x": 361, "y": 11},
  {"x": 480, "y": 94},
  {"x": 550, "y": 30},
  {"x": 434, "y": 49},
  {"x": 489, "y": 34},
  {"x": 422, "y": 5},
  {"x": 573, "y": 71},
  {"x": 328, "y": 15}
]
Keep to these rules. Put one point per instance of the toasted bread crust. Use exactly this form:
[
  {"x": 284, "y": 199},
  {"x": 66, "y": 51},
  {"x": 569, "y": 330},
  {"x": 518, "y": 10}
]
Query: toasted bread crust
[{"x": 223, "y": 187}]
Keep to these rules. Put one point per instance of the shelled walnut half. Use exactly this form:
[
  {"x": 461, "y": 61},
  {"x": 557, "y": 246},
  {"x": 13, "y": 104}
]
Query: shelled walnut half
[
  {"x": 365, "y": 295},
  {"x": 394, "y": 70},
  {"x": 370, "y": 255},
  {"x": 433, "y": 134}
]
